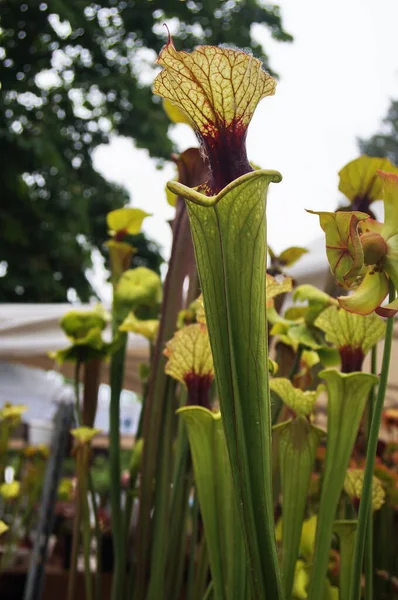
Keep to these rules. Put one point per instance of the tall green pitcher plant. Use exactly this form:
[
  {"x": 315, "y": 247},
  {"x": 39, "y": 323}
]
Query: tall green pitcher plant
[{"x": 219, "y": 89}]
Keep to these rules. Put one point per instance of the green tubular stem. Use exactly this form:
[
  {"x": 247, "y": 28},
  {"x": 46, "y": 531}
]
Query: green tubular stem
[
  {"x": 157, "y": 394},
  {"x": 366, "y": 497},
  {"x": 182, "y": 484},
  {"x": 202, "y": 571},
  {"x": 75, "y": 548},
  {"x": 86, "y": 548},
  {"x": 296, "y": 363},
  {"x": 347, "y": 396},
  {"x": 161, "y": 522},
  {"x": 229, "y": 234},
  {"x": 98, "y": 536},
  {"x": 194, "y": 535},
  {"x": 77, "y": 393},
  {"x": 368, "y": 559},
  {"x": 116, "y": 384}
]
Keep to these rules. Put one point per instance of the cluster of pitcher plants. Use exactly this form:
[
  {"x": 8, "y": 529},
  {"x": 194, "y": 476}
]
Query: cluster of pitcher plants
[{"x": 237, "y": 488}]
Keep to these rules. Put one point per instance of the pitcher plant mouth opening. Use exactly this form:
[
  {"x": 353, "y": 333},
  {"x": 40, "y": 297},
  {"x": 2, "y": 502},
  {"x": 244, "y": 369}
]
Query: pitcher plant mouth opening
[{"x": 197, "y": 197}]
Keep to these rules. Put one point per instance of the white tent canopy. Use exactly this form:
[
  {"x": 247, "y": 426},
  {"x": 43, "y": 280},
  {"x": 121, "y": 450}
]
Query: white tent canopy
[{"x": 28, "y": 332}]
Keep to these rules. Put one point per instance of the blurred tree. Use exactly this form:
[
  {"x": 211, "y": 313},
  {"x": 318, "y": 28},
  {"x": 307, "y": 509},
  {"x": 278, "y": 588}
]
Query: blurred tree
[
  {"x": 385, "y": 143},
  {"x": 72, "y": 73}
]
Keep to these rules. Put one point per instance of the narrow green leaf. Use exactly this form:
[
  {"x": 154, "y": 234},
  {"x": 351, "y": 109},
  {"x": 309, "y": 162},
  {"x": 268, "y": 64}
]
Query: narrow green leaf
[
  {"x": 347, "y": 396},
  {"x": 346, "y": 531},
  {"x": 229, "y": 234},
  {"x": 297, "y": 442},
  {"x": 217, "y": 501}
]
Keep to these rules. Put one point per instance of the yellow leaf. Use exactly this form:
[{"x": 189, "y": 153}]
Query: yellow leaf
[
  {"x": 275, "y": 286},
  {"x": 343, "y": 246},
  {"x": 170, "y": 197},
  {"x": 291, "y": 255},
  {"x": 3, "y": 527},
  {"x": 12, "y": 411},
  {"x": 214, "y": 86},
  {"x": 302, "y": 403},
  {"x": 9, "y": 491},
  {"x": 353, "y": 485},
  {"x": 369, "y": 294},
  {"x": 174, "y": 112},
  {"x": 78, "y": 323},
  {"x": 359, "y": 180},
  {"x": 343, "y": 328},
  {"x": 189, "y": 352},
  {"x": 126, "y": 220},
  {"x": 219, "y": 88},
  {"x": 140, "y": 286},
  {"x": 84, "y": 435},
  {"x": 145, "y": 327}
]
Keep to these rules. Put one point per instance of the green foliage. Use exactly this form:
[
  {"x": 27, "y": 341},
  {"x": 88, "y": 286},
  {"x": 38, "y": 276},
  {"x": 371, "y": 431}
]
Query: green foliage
[{"x": 71, "y": 74}]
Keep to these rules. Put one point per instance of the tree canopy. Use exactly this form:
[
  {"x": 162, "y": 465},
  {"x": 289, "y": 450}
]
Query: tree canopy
[
  {"x": 385, "y": 142},
  {"x": 72, "y": 74}
]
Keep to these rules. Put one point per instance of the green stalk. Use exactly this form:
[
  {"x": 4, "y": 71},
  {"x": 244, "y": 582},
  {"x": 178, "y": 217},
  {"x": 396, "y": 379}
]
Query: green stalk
[
  {"x": 86, "y": 547},
  {"x": 369, "y": 529},
  {"x": 346, "y": 533},
  {"x": 182, "y": 484},
  {"x": 116, "y": 384},
  {"x": 160, "y": 531},
  {"x": 78, "y": 507},
  {"x": 77, "y": 394},
  {"x": 366, "y": 497},
  {"x": 75, "y": 547},
  {"x": 193, "y": 546},
  {"x": 157, "y": 392},
  {"x": 202, "y": 571},
  {"x": 98, "y": 536},
  {"x": 229, "y": 235},
  {"x": 296, "y": 363},
  {"x": 347, "y": 396}
]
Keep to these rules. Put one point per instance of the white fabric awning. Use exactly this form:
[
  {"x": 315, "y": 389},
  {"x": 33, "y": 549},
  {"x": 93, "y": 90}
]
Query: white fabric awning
[{"x": 28, "y": 332}]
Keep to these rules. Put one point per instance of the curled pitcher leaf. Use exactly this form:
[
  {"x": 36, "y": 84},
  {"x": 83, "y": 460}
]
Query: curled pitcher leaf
[
  {"x": 120, "y": 254},
  {"x": 343, "y": 245},
  {"x": 145, "y": 327},
  {"x": 301, "y": 403},
  {"x": 354, "y": 335},
  {"x": 82, "y": 349},
  {"x": 138, "y": 287},
  {"x": 78, "y": 323},
  {"x": 218, "y": 89},
  {"x": 359, "y": 181},
  {"x": 190, "y": 361},
  {"x": 353, "y": 485},
  {"x": 84, "y": 435},
  {"x": 363, "y": 253}
]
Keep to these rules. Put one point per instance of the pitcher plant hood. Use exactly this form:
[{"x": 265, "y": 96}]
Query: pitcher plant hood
[{"x": 218, "y": 89}]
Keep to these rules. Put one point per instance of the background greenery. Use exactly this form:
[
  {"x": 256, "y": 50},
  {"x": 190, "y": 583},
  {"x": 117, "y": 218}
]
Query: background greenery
[{"x": 70, "y": 75}]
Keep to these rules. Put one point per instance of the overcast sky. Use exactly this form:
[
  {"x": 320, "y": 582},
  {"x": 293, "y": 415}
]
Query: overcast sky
[{"x": 336, "y": 81}]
